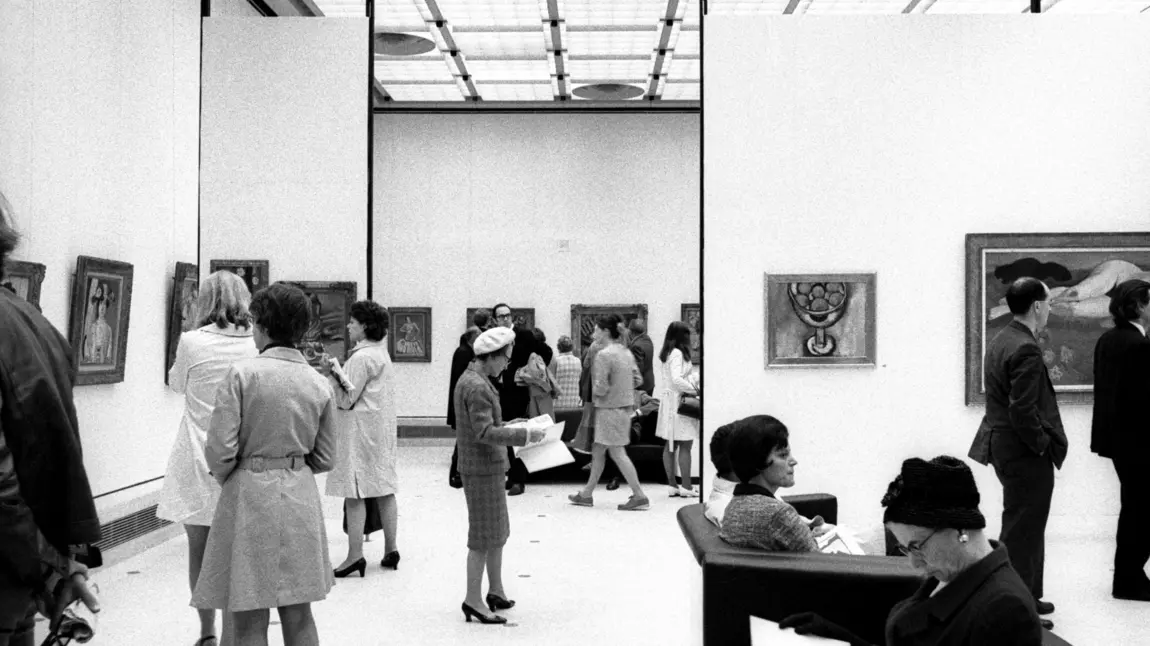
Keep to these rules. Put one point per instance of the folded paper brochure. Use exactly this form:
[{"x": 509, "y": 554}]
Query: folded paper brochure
[{"x": 549, "y": 453}]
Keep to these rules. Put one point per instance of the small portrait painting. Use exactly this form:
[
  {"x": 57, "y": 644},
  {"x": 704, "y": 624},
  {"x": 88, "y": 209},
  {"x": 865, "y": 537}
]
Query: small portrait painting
[
  {"x": 692, "y": 315},
  {"x": 410, "y": 338},
  {"x": 100, "y": 315},
  {"x": 24, "y": 280},
  {"x": 182, "y": 309}
]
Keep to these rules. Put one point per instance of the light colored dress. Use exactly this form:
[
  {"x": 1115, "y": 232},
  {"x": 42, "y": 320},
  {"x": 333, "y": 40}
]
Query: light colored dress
[
  {"x": 268, "y": 546},
  {"x": 365, "y": 422},
  {"x": 203, "y": 358},
  {"x": 614, "y": 377},
  {"x": 671, "y": 425}
]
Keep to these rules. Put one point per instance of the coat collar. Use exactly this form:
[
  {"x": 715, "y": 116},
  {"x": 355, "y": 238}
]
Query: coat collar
[
  {"x": 230, "y": 330},
  {"x": 368, "y": 343},
  {"x": 1018, "y": 325},
  {"x": 748, "y": 489},
  {"x": 954, "y": 596},
  {"x": 284, "y": 354}
]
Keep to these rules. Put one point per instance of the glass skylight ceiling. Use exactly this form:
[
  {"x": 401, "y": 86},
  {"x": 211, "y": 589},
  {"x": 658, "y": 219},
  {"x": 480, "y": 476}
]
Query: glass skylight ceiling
[{"x": 505, "y": 49}]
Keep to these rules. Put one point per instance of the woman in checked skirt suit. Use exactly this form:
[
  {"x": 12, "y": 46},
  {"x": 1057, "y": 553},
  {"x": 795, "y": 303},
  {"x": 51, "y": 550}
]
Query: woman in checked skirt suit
[
  {"x": 271, "y": 431},
  {"x": 223, "y": 335},
  {"x": 483, "y": 461}
]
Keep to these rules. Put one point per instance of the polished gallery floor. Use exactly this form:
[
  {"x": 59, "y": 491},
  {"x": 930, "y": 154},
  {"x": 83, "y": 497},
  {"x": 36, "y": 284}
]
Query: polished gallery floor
[{"x": 579, "y": 576}]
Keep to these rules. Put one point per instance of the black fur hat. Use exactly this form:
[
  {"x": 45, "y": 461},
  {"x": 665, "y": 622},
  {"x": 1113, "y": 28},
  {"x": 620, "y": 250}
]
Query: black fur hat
[{"x": 936, "y": 494}]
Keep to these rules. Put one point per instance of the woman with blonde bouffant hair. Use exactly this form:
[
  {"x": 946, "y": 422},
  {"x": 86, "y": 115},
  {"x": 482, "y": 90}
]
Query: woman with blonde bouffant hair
[{"x": 220, "y": 335}]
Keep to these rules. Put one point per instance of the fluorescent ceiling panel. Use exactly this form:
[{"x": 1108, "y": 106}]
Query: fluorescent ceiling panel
[
  {"x": 684, "y": 69},
  {"x": 681, "y": 92},
  {"x": 852, "y": 7},
  {"x": 745, "y": 7},
  {"x": 692, "y": 15},
  {"x": 615, "y": 12},
  {"x": 978, "y": 6},
  {"x": 524, "y": 44},
  {"x": 343, "y": 8},
  {"x": 490, "y": 13},
  {"x": 390, "y": 14},
  {"x": 630, "y": 69},
  {"x": 1100, "y": 6},
  {"x": 517, "y": 92},
  {"x": 413, "y": 70},
  {"x": 424, "y": 92},
  {"x": 494, "y": 71},
  {"x": 688, "y": 44},
  {"x": 601, "y": 43}
]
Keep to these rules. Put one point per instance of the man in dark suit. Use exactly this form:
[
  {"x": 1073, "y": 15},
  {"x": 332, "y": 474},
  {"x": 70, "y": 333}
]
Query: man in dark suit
[
  {"x": 513, "y": 398},
  {"x": 643, "y": 349},
  {"x": 480, "y": 321},
  {"x": 1121, "y": 429},
  {"x": 1021, "y": 433}
]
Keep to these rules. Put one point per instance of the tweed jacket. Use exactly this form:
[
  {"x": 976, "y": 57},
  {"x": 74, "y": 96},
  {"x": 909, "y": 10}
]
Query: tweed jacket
[
  {"x": 614, "y": 377},
  {"x": 987, "y": 605},
  {"x": 1021, "y": 410},
  {"x": 45, "y": 500},
  {"x": 1120, "y": 426},
  {"x": 479, "y": 431},
  {"x": 568, "y": 371},
  {"x": 643, "y": 350},
  {"x": 755, "y": 518}
]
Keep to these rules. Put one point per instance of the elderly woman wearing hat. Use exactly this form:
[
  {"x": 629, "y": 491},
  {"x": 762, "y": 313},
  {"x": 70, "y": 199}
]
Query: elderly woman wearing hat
[
  {"x": 480, "y": 436},
  {"x": 971, "y": 594}
]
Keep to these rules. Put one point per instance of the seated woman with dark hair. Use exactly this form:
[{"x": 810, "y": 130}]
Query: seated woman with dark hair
[
  {"x": 725, "y": 481},
  {"x": 760, "y": 456}
]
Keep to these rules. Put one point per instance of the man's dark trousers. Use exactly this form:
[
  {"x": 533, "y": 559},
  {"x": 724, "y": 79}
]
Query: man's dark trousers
[{"x": 1027, "y": 487}]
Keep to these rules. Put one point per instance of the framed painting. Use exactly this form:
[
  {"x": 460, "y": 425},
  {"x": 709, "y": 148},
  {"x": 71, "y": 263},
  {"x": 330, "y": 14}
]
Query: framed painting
[
  {"x": 1079, "y": 268},
  {"x": 410, "y": 337},
  {"x": 181, "y": 309},
  {"x": 330, "y": 314},
  {"x": 253, "y": 272},
  {"x": 24, "y": 279},
  {"x": 692, "y": 315},
  {"x": 524, "y": 317},
  {"x": 819, "y": 319},
  {"x": 583, "y": 318},
  {"x": 101, "y": 303}
]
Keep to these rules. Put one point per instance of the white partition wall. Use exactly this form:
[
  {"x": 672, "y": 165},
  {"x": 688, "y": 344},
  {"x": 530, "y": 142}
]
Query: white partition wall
[
  {"x": 537, "y": 210},
  {"x": 871, "y": 144},
  {"x": 283, "y": 171}
]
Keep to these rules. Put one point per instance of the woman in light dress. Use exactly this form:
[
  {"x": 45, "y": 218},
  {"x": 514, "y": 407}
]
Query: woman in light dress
[
  {"x": 680, "y": 432},
  {"x": 222, "y": 335},
  {"x": 366, "y": 430},
  {"x": 272, "y": 430}
]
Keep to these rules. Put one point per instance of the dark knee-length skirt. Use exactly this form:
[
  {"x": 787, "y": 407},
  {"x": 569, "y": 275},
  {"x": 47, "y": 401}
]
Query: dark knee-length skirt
[{"x": 488, "y": 525}]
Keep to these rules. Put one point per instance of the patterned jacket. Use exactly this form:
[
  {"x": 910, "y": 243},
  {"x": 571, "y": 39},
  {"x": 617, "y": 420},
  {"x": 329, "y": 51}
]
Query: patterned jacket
[
  {"x": 755, "y": 518},
  {"x": 479, "y": 431}
]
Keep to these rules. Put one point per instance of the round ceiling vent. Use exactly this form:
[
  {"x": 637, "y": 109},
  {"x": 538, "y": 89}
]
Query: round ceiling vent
[
  {"x": 396, "y": 44},
  {"x": 608, "y": 92}
]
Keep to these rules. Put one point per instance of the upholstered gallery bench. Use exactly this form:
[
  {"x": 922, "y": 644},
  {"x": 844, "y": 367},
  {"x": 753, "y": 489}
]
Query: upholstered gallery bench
[{"x": 856, "y": 592}]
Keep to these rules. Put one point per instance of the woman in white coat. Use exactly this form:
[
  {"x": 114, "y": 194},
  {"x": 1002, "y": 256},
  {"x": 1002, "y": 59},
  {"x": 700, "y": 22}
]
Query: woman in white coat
[
  {"x": 680, "y": 432},
  {"x": 366, "y": 429},
  {"x": 222, "y": 336}
]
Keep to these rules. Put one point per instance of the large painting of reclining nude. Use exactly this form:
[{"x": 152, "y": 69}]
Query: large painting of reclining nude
[{"x": 1080, "y": 269}]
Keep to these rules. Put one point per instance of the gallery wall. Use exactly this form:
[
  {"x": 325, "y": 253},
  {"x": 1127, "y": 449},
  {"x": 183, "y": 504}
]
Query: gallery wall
[
  {"x": 875, "y": 145},
  {"x": 537, "y": 210},
  {"x": 98, "y": 157}
]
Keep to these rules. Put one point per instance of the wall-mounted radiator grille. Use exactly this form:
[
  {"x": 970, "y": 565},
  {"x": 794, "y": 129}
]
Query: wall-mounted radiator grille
[{"x": 130, "y": 527}]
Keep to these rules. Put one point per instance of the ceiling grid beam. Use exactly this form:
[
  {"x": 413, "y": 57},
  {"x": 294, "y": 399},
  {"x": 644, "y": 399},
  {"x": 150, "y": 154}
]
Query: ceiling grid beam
[
  {"x": 441, "y": 32},
  {"x": 792, "y": 6},
  {"x": 555, "y": 41},
  {"x": 664, "y": 50}
]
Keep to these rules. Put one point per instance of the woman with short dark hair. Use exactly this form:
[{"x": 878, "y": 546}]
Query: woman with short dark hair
[
  {"x": 367, "y": 444},
  {"x": 271, "y": 432},
  {"x": 222, "y": 336}
]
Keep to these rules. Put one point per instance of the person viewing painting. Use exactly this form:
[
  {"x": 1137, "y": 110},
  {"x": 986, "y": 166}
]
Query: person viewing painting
[
  {"x": 366, "y": 431},
  {"x": 272, "y": 430},
  {"x": 221, "y": 336}
]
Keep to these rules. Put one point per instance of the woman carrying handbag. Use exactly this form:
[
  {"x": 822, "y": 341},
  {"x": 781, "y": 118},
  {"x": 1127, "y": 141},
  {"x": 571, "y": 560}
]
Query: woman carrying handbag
[{"x": 678, "y": 429}]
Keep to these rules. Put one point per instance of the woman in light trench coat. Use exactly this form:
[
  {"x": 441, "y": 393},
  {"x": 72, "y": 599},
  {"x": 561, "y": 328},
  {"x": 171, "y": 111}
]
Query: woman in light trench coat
[{"x": 365, "y": 458}]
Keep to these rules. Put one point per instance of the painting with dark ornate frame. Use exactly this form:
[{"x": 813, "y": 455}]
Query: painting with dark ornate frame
[
  {"x": 253, "y": 272},
  {"x": 331, "y": 312},
  {"x": 99, "y": 317},
  {"x": 819, "y": 320},
  {"x": 692, "y": 315},
  {"x": 583, "y": 318},
  {"x": 181, "y": 308},
  {"x": 24, "y": 279},
  {"x": 409, "y": 341},
  {"x": 1079, "y": 268},
  {"x": 524, "y": 317}
]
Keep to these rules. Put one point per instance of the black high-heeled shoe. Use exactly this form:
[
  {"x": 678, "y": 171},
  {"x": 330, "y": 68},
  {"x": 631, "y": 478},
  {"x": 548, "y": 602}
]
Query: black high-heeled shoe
[
  {"x": 391, "y": 560},
  {"x": 358, "y": 565},
  {"x": 496, "y": 602},
  {"x": 469, "y": 612}
]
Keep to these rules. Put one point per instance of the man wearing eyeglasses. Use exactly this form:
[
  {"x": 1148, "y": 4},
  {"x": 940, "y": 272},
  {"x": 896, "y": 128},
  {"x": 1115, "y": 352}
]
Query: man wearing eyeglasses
[
  {"x": 513, "y": 398},
  {"x": 1021, "y": 434}
]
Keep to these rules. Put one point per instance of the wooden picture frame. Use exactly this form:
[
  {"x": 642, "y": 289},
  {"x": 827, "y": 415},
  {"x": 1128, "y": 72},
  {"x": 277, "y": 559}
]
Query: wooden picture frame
[
  {"x": 583, "y": 319},
  {"x": 331, "y": 312},
  {"x": 25, "y": 279},
  {"x": 100, "y": 314},
  {"x": 181, "y": 308},
  {"x": 409, "y": 339},
  {"x": 1079, "y": 268},
  {"x": 819, "y": 320},
  {"x": 253, "y": 272},
  {"x": 524, "y": 317},
  {"x": 692, "y": 315}
]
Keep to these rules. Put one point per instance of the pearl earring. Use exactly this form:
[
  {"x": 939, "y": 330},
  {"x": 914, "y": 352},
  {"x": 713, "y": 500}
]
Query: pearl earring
[{"x": 962, "y": 537}]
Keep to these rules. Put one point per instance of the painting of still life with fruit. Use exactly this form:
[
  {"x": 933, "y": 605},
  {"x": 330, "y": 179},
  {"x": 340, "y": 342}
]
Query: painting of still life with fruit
[{"x": 819, "y": 319}]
